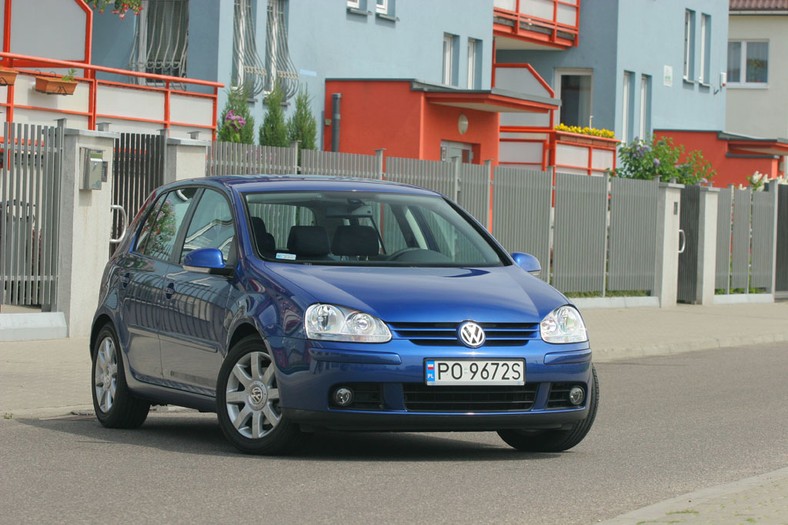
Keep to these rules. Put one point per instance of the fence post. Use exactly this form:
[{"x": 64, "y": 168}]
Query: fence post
[
  {"x": 668, "y": 213},
  {"x": 85, "y": 229},
  {"x": 184, "y": 159},
  {"x": 379, "y": 162},
  {"x": 457, "y": 163},
  {"x": 294, "y": 156}
]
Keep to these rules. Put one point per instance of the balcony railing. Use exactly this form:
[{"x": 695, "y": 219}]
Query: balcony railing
[
  {"x": 536, "y": 23},
  {"x": 542, "y": 149},
  {"x": 181, "y": 105}
]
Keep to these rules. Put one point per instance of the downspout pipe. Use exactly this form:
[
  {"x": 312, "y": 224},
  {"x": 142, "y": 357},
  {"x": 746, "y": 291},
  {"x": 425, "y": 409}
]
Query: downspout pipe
[{"x": 336, "y": 116}]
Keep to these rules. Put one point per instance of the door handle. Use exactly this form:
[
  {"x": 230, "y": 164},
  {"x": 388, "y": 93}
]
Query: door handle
[
  {"x": 169, "y": 291},
  {"x": 682, "y": 241}
]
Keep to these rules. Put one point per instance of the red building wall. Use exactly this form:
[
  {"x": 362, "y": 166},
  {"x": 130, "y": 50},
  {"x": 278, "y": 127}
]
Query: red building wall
[
  {"x": 389, "y": 114},
  {"x": 730, "y": 169}
]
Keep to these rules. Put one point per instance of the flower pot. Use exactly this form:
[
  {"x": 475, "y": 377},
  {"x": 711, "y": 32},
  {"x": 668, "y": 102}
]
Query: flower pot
[
  {"x": 55, "y": 86},
  {"x": 7, "y": 76}
]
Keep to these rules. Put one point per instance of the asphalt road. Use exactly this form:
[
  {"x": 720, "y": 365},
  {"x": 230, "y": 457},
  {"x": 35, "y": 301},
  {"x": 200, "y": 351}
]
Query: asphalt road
[{"x": 666, "y": 426}]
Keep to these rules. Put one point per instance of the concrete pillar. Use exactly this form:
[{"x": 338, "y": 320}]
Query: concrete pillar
[
  {"x": 85, "y": 223},
  {"x": 707, "y": 245},
  {"x": 185, "y": 159},
  {"x": 668, "y": 214}
]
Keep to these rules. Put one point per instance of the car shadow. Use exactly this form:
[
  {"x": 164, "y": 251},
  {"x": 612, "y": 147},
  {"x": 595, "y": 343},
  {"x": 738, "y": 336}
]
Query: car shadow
[{"x": 195, "y": 433}]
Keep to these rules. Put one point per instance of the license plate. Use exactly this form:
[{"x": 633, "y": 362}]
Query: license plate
[{"x": 474, "y": 372}]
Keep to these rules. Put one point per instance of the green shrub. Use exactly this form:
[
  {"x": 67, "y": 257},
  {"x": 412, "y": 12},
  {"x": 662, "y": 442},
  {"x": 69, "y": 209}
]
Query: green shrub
[{"x": 236, "y": 123}]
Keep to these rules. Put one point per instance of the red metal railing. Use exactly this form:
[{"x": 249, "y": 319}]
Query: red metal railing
[
  {"x": 565, "y": 152},
  {"x": 554, "y": 23},
  {"x": 169, "y": 87}
]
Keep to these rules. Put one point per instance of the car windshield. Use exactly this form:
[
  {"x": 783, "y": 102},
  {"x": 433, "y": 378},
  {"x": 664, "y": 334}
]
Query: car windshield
[{"x": 363, "y": 228}]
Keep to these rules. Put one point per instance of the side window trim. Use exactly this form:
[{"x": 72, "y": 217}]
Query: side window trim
[{"x": 139, "y": 244}]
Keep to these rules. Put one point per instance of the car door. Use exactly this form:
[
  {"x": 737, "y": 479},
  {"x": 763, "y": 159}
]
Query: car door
[
  {"x": 141, "y": 277},
  {"x": 195, "y": 304}
]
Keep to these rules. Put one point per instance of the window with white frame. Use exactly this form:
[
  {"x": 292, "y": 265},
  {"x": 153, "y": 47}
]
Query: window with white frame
[
  {"x": 627, "y": 111},
  {"x": 474, "y": 63},
  {"x": 748, "y": 62},
  {"x": 689, "y": 44},
  {"x": 645, "y": 106},
  {"x": 704, "y": 71},
  {"x": 450, "y": 59},
  {"x": 382, "y": 6},
  {"x": 355, "y": 4}
]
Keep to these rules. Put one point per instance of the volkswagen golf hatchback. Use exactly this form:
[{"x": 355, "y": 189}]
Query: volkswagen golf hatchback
[{"x": 293, "y": 304}]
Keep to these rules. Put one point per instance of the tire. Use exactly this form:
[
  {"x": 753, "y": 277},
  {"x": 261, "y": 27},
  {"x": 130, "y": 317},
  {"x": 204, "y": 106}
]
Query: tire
[
  {"x": 555, "y": 440},
  {"x": 113, "y": 403},
  {"x": 247, "y": 402}
]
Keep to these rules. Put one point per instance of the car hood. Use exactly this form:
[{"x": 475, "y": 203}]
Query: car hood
[{"x": 498, "y": 294}]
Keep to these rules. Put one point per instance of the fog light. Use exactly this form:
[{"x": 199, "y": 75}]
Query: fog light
[
  {"x": 343, "y": 396},
  {"x": 576, "y": 395}
]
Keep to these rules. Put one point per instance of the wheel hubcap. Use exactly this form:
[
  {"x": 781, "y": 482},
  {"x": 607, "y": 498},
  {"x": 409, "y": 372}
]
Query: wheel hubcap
[
  {"x": 105, "y": 378},
  {"x": 252, "y": 397}
]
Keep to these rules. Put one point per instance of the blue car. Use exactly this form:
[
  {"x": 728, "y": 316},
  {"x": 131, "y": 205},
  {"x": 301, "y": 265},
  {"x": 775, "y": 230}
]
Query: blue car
[{"x": 294, "y": 304}]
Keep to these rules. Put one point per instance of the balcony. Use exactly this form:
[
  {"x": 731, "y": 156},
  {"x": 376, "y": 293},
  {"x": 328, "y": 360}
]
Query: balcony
[
  {"x": 536, "y": 24},
  {"x": 544, "y": 148},
  {"x": 182, "y": 106}
]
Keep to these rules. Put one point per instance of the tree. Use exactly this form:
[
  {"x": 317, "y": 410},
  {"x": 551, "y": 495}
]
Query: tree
[
  {"x": 302, "y": 126},
  {"x": 236, "y": 123},
  {"x": 273, "y": 132}
]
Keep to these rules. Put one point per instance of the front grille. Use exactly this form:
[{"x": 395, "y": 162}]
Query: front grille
[
  {"x": 559, "y": 396},
  {"x": 445, "y": 334},
  {"x": 422, "y": 398},
  {"x": 366, "y": 396}
]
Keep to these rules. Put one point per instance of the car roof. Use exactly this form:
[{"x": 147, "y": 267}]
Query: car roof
[{"x": 265, "y": 183}]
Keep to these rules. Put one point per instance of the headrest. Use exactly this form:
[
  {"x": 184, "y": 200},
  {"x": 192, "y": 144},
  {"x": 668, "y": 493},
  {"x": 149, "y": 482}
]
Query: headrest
[
  {"x": 355, "y": 241},
  {"x": 308, "y": 241}
]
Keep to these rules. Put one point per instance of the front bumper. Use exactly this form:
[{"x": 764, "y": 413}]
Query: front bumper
[{"x": 391, "y": 381}]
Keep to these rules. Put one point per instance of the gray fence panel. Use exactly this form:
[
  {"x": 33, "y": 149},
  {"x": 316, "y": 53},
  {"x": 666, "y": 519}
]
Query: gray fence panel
[
  {"x": 229, "y": 158},
  {"x": 434, "y": 175},
  {"x": 633, "y": 234},
  {"x": 781, "y": 271},
  {"x": 474, "y": 194},
  {"x": 580, "y": 233},
  {"x": 315, "y": 162},
  {"x": 29, "y": 207},
  {"x": 740, "y": 266},
  {"x": 762, "y": 240},
  {"x": 521, "y": 212},
  {"x": 724, "y": 223}
]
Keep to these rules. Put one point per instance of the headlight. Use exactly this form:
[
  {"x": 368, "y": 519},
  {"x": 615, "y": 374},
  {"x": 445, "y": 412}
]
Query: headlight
[
  {"x": 328, "y": 322},
  {"x": 563, "y": 325}
]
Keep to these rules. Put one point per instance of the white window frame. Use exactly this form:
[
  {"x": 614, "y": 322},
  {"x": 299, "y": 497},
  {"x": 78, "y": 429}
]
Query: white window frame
[
  {"x": 449, "y": 65},
  {"x": 645, "y": 106},
  {"x": 382, "y": 7},
  {"x": 743, "y": 83},
  {"x": 354, "y": 4},
  {"x": 689, "y": 43},
  {"x": 473, "y": 62},
  {"x": 626, "y": 108},
  {"x": 705, "y": 21}
]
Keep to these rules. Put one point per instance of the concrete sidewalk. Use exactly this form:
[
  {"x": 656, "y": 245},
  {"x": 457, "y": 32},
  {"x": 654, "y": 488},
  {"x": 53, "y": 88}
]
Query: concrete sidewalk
[{"x": 50, "y": 378}]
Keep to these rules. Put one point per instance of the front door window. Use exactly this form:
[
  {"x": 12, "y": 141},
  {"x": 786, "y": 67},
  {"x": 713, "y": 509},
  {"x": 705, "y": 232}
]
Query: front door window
[{"x": 575, "y": 91}]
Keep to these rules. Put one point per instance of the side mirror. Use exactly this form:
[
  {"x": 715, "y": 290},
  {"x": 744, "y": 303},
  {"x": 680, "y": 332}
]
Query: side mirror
[
  {"x": 206, "y": 260},
  {"x": 527, "y": 262}
]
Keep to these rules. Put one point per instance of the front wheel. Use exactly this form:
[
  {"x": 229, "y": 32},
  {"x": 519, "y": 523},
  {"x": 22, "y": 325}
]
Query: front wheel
[
  {"x": 114, "y": 404},
  {"x": 247, "y": 402},
  {"x": 555, "y": 440}
]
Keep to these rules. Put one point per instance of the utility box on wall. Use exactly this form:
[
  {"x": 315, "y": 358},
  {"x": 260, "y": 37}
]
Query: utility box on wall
[{"x": 94, "y": 169}]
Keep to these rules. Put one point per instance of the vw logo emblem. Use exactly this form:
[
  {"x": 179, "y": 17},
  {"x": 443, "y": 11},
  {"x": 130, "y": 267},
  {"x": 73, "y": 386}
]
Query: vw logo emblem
[{"x": 471, "y": 334}]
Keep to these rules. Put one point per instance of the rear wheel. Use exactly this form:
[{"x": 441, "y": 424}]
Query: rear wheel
[
  {"x": 247, "y": 402},
  {"x": 114, "y": 404},
  {"x": 555, "y": 440}
]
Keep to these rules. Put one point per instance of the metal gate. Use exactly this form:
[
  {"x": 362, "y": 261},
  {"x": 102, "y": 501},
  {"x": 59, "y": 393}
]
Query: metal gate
[
  {"x": 31, "y": 158},
  {"x": 138, "y": 169}
]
